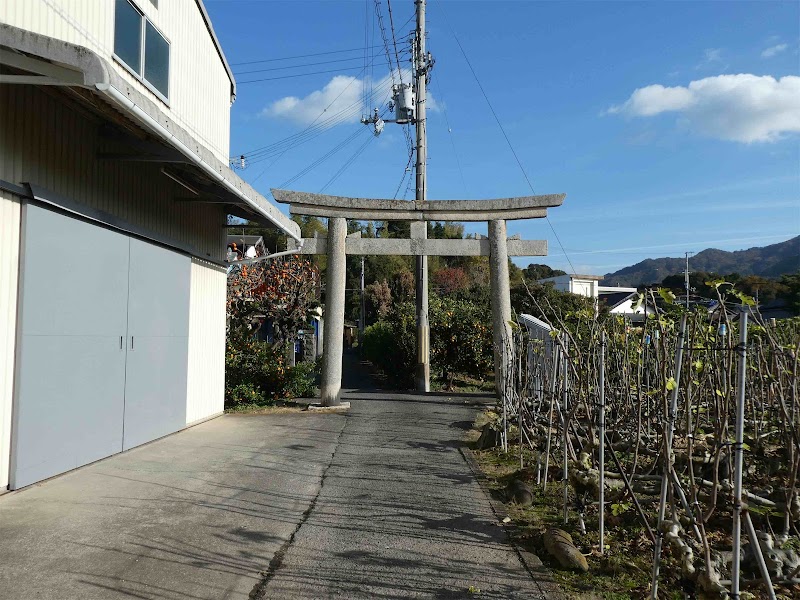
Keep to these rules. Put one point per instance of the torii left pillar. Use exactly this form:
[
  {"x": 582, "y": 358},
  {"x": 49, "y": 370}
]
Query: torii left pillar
[
  {"x": 501, "y": 301},
  {"x": 333, "y": 340}
]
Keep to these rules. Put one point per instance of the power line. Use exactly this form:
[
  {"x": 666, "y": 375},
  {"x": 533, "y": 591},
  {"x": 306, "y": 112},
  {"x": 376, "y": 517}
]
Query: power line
[
  {"x": 329, "y": 122},
  {"x": 253, "y": 62},
  {"x": 359, "y": 49},
  {"x": 304, "y": 74},
  {"x": 309, "y": 167},
  {"x": 379, "y": 14},
  {"x": 312, "y": 64},
  {"x": 309, "y": 133},
  {"x": 406, "y": 171},
  {"x": 314, "y": 129},
  {"x": 502, "y": 129},
  {"x": 324, "y": 157},
  {"x": 407, "y": 127},
  {"x": 394, "y": 41},
  {"x": 347, "y": 163},
  {"x": 389, "y": 63},
  {"x": 300, "y": 66},
  {"x": 290, "y": 146},
  {"x": 452, "y": 139},
  {"x": 410, "y": 181},
  {"x": 366, "y": 50}
]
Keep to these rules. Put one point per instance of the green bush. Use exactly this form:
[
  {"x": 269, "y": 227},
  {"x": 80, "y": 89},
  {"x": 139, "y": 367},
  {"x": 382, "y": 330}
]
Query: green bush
[
  {"x": 256, "y": 373},
  {"x": 390, "y": 345},
  {"x": 242, "y": 395},
  {"x": 461, "y": 341},
  {"x": 301, "y": 380},
  {"x": 377, "y": 340}
]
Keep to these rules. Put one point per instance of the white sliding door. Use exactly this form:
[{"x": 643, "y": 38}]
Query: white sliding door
[
  {"x": 157, "y": 343},
  {"x": 71, "y": 355},
  {"x": 103, "y": 348}
]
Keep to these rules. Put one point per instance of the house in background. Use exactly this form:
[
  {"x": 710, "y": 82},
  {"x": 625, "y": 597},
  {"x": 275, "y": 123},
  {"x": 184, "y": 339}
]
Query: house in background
[
  {"x": 583, "y": 285},
  {"x": 623, "y": 301},
  {"x": 245, "y": 247},
  {"x": 114, "y": 196},
  {"x": 618, "y": 300}
]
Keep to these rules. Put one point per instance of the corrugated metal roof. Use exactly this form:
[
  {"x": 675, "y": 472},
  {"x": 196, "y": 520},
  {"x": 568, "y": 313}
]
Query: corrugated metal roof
[{"x": 531, "y": 321}]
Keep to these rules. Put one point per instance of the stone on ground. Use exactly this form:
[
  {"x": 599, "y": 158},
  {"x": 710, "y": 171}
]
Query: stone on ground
[
  {"x": 520, "y": 493},
  {"x": 560, "y": 545}
]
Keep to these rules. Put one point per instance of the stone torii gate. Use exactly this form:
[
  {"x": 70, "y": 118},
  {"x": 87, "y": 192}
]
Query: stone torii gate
[{"x": 337, "y": 209}]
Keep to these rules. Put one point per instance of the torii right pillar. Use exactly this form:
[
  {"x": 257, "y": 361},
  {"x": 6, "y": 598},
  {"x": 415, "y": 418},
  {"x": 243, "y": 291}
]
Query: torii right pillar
[{"x": 501, "y": 301}]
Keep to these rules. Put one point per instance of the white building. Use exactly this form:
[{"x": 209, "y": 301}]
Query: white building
[
  {"x": 619, "y": 300},
  {"x": 583, "y": 285},
  {"x": 114, "y": 191},
  {"x": 623, "y": 301}
]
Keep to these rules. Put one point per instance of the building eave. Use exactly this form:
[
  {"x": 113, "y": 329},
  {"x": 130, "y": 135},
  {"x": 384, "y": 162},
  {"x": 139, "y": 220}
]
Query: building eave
[{"x": 88, "y": 70}]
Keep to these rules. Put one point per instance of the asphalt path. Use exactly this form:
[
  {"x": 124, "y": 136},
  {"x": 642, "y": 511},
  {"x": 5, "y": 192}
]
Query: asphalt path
[{"x": 400, "y": 514}]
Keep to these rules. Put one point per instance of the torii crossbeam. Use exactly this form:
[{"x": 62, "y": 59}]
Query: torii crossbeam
[{"x": 337, "y": 209}]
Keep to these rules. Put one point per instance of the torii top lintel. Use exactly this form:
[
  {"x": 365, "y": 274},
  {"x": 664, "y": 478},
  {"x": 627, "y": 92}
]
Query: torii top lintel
[{"x": 371, "y": 209}]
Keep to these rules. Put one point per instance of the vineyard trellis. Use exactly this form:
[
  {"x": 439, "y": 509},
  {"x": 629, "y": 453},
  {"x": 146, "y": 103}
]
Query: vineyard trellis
[{"x": 699, "y": 413}]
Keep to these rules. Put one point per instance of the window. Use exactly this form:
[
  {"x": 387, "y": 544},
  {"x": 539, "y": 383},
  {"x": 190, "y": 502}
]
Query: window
[
  {"x": 128, "y": 35},
  {"x": 156, "y": 59},
  {"x": 141, "y": 47}
]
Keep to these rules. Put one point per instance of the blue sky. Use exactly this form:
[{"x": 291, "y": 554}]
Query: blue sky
[{"x": 670, "y": 126}]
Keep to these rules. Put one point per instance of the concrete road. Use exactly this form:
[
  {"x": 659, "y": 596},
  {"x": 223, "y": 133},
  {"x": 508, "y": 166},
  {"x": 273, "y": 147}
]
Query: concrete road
[
  {"x": 199, "y": 514},
  {"x": 376, "y": 503}
]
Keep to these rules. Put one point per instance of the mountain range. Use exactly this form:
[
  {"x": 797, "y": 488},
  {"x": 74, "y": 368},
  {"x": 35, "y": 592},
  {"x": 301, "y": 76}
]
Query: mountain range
[{"x": 767, "y": 261}]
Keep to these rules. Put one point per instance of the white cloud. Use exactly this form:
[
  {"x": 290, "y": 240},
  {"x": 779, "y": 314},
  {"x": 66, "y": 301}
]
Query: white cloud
[
  {"x": 773, "y": 50},
  {"x": 654, "y": 99},
  {"x": 342, "y": 94},
  {"x": 340, "y": 98},
  {"x": 711, "y": 57},
  {"x": 743, "y": 108}
]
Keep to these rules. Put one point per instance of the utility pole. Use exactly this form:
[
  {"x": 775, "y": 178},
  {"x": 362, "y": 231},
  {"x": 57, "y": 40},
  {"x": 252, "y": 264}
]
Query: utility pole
[
  {"x": 421, "y": 67},
  {"x": 361, "y": 313},
  {"x": 408, "y": 102},
  {"x": 686, "y": 279}
]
